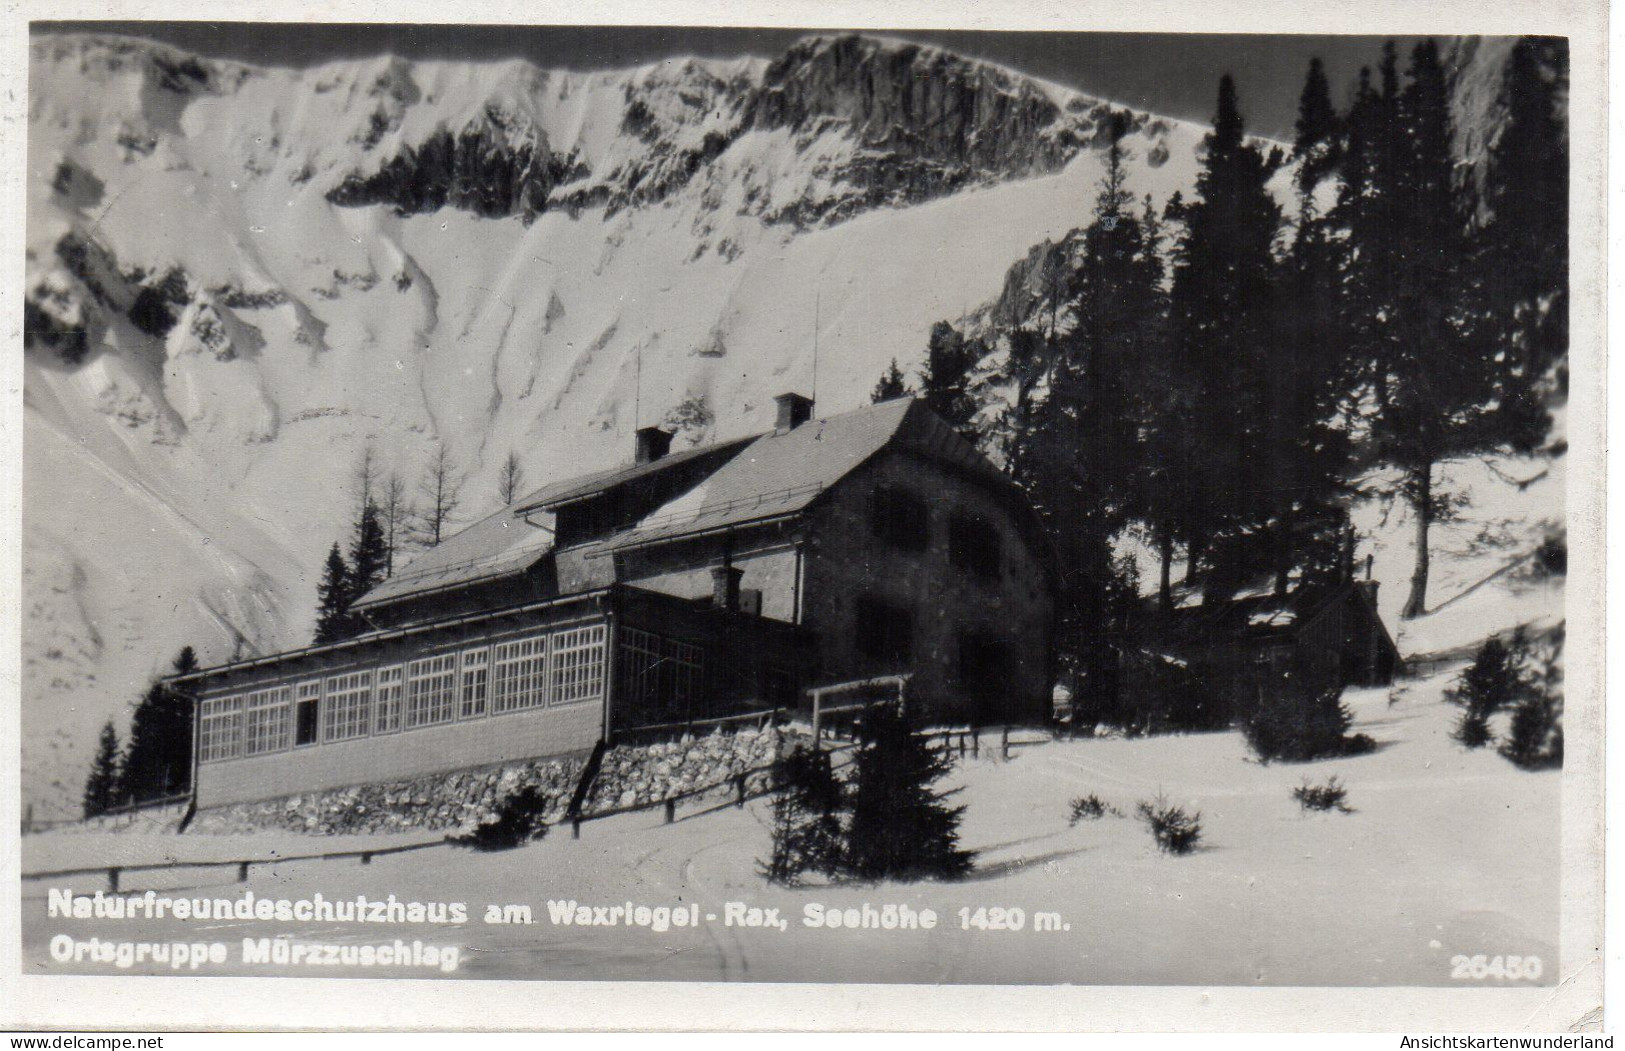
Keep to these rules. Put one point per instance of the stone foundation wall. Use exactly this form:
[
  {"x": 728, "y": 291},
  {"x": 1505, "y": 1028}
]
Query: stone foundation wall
[
  {"x": 451, "y": 802},
  {"x": 632, "y": 775}
]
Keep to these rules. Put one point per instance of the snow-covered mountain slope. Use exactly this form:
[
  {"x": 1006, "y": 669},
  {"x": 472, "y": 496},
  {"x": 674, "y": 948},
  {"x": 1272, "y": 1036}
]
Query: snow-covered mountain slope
[{"x": 238, "y": 277}]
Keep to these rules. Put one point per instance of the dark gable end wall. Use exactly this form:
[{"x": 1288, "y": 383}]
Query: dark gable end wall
[{"x": 846, "y": 560}]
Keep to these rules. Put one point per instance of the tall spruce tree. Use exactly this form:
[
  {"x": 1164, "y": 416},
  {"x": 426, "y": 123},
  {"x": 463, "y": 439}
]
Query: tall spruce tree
[
  {"x": 369, "y": 553},
  {"x": 1524, "y": 246},
  {"x": 158, "y": 758},
  {"x": 333, "y": 599},
  {"x": 1368, "y": 216},
  {"x": 1082, "y": 447},
  {"x": 900, "y": 828},
  {"x": 1166, "y": 499},
  {"x": 101, "y": 787},
  {"x": 1439, "y": 363},
  {"x": 1223, "y": 311},
  {"x": 1306, "y": 455}
]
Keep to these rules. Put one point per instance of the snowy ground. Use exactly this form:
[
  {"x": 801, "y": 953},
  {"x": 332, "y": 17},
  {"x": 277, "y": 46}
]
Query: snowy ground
[{"x": 1446, "y": 853}]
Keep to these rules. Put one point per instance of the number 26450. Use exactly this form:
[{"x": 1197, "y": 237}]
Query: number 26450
[{"x": 1508, "y": 968}]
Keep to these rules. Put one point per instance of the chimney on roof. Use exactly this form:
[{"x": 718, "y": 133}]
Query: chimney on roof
[
  {"x": 794, "y": 410},
  {"x": 725, "y": 586},
  {"x": 653, "y": 443}
]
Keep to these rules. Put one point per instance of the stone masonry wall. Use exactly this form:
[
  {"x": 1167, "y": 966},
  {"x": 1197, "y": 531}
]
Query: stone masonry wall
[
  {"x": 634, "y": 774},
  {"x": 451, "y": 802}
]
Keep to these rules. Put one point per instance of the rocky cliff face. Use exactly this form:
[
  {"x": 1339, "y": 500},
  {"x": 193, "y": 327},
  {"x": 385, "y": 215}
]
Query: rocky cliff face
[{"x": 884, "y": 123}]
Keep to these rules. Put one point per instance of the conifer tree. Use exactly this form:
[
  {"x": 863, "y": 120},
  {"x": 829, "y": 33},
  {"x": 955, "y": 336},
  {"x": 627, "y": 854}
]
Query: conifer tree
[
  {"x": 1080, "y": 452},
  {"x": 891, "y": 386},
  {"x": 101, "y": 787},
  {"x": 158, "y": 758},
  {"x": 1524, "y": 246},
  {"x": 1439, "y": 363},
  {"x": 369, "y": 554},
  {"x": 333, "y": 599},
  {"x": 512, "y": 480},
  {"x": 1223, "y": 310},
  {"x": 1494, "y": 680},
  {"x": 1535, "y": 739},
  {"x": 900, "y": 827},
  {"x": 1306, "y": 455},
  {"x": 807, "y": 833},
  {"x": 945, "y": 380}
]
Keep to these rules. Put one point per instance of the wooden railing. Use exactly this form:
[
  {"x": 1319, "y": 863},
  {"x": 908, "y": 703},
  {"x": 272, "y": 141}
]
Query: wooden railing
[{"x": 113, "y": 872}]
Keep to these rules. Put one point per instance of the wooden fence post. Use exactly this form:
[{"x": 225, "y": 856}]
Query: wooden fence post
[
  {"x": 1004, "y": 742},
  {"x": 739, "y": 783},
  {"x": 366, "y": 859},
  {"x": 575, "y": 828},
  {"x": 671, "y": 809},
  {"x": 976, "y": 742},
  {"x": 112, "y": 881},
  {"x": 242, "y": 872}
]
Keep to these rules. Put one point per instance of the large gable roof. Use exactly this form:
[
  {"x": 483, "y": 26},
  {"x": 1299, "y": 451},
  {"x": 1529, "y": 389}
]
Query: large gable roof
[
  {"x": 778, "y": 474},
  {"x": 757, "y": 478}
]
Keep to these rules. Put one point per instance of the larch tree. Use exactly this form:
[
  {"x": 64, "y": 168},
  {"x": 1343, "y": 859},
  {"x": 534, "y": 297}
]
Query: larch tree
[
  {"x": 395, "y": 514},
  {"x": 511, "y": 482},
  {"x": 440, "y": 497}
]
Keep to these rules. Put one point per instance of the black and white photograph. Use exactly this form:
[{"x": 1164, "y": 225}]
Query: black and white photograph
[{"x": 809, "y": 505}]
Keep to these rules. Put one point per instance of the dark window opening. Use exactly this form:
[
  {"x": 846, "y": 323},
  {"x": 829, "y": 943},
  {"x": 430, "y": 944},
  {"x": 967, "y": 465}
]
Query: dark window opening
[
  {"x": 305, "y": 722},
  {"x": 901, "y": 519},
  {"x": 884, "y": 632},
  {"x": 984, "y": 664},
  {"x": 973, "y": 545}
]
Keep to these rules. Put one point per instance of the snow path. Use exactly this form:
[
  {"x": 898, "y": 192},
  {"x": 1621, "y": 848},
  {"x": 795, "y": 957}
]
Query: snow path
[{"x": 1446, "y": 852}]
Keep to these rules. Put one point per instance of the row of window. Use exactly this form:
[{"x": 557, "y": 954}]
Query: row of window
[
  {"x": 903, "y": 520},
  {"x": 562, "y": 667}
]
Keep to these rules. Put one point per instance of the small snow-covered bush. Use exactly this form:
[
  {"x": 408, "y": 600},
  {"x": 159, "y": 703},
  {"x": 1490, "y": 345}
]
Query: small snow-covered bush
[
  {"x": 1535, "y": 739},
  {"x": 1473, "y": 730},
  {"x": 1330, "y": 795},
  {"x": 1091, "y": 808},
  {"x": 1296, "y": 726},
  {"x": 1175, "y": 830},
  {"x": 517, "y": 821}
]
